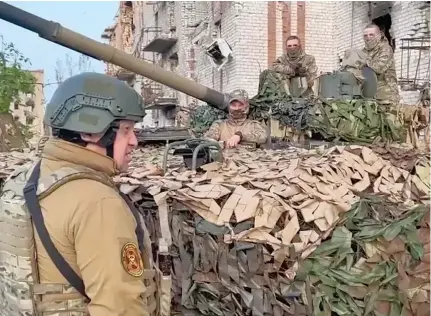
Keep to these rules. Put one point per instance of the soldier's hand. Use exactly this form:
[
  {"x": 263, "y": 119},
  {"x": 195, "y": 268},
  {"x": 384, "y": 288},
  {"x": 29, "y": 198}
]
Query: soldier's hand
[
  {"x": 233, "y": 141},
  {"x": 302, "y": 71}
]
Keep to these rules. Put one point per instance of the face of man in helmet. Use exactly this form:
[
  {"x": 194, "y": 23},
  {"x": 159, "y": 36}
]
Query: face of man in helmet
[{"x": 125, "y": 142}]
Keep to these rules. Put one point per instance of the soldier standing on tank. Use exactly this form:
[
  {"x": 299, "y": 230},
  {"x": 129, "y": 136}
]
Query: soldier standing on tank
[
  {"x": 380, "y": 58},
  {"x": 92, "y": 117},
  {"x": 296, "y": 63},
  {"x": 237, "y": 128}
]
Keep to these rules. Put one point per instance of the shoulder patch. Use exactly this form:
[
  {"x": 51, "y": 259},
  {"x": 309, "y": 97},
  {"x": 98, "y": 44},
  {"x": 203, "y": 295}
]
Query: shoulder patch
[{"x": 131, "y": 259}]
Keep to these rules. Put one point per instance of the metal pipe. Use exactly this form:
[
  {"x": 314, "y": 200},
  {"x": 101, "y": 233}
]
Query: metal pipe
[{"x": 56, "y": 33}]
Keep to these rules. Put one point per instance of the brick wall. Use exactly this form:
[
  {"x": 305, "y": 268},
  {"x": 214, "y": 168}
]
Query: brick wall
[
  {"x": 241, "y": 25},
  {"x": 256, "y": 32},
  {"x": 343, "y": 23}
]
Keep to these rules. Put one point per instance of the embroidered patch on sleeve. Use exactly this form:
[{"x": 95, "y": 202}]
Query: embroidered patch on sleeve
[{"x": 131, "y": 259}]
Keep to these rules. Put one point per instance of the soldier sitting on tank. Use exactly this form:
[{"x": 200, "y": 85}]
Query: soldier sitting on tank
[
  {"x": 237, "y": 128},
  {"x": 296, "y": 64},
  {"x": 380, "y": 58}
]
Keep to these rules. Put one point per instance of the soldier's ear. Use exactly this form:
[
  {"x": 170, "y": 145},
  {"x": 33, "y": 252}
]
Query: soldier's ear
[{"x": 90, "y": 138}]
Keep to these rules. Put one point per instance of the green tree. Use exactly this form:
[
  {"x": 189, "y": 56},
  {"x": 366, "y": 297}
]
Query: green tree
[{"x": 13, "y": 78}]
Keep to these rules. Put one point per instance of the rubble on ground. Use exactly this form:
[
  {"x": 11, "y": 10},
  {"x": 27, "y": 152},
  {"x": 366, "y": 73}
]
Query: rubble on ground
[{"x": 10, "y": 134}]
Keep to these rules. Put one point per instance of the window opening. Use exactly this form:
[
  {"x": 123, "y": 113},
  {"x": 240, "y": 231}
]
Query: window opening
[{"x": 384, "y": 22}]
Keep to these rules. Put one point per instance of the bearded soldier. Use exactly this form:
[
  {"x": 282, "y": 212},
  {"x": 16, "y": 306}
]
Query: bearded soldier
[
  {"x": 296, "y": 63},
  {"x": 380, "y": 58},
  {"x": 237, "y": 128}
]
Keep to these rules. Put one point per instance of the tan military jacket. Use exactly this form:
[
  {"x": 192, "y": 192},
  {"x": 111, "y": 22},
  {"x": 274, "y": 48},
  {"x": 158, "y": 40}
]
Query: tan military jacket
[
  {"x": 381, "y": 60},
  {"x": 286, "y": 65},
  {"x": 252, "y": 131},
  {"x": 90, "y": 225}
]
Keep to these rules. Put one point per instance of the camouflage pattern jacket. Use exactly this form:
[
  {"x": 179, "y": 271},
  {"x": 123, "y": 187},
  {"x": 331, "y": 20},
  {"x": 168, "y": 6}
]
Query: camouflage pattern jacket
[
  {"x": 252, "y": 131},
  {"x": 381, "y": 60},
  {"x": 286, "y": 66}
]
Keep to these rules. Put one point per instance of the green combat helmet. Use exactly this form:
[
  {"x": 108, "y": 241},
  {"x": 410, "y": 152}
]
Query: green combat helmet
[{"x": 92, "y": 103}]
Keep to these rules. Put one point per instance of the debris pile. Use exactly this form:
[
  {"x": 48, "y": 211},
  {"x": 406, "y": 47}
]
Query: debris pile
[
  {"x": 253, "y": 235},
  {"x": 11, "y": 136}
]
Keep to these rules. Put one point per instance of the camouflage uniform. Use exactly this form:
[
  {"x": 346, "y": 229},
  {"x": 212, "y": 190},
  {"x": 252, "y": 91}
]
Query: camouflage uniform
[
  {"x": 380, "y": 58},
  {"x": 288, "y": 66},
  {"x": 252, "y": 131}
]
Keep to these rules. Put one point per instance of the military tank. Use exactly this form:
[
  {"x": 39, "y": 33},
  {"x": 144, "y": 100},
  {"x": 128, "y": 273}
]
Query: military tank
[{"x": 253, "y": 262}]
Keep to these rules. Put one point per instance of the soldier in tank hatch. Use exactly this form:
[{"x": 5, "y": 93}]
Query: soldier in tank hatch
[
  {"x": 380, "y": 58},
  {"x": 237, "y": 128}
]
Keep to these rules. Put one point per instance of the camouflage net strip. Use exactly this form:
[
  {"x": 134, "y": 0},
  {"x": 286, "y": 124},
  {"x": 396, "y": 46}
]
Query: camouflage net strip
[
  {"x": 291, "y": 232},
  {"x": 295, "y": 232},
  {"x": 362, "y": 121}
]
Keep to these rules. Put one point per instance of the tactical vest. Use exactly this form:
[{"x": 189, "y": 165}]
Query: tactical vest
[{"x": 21, "y": 292}]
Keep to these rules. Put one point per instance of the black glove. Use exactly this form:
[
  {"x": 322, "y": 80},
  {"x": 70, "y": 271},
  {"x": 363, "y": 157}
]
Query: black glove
[{"x": 302, "y": 71}]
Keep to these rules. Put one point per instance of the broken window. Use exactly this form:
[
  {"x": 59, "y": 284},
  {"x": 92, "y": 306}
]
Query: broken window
[
  {"x": 29, "y": 120},
  {"x": 219, "y": 53},
  {"x": 16, "y": 105},
  {"x": 384, "y": 22}
]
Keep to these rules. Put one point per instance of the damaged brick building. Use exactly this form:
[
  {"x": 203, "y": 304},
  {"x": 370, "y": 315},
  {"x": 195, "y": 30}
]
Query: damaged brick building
[
  {"x": 225, "y": 45},
  {"x": 29, "y": 109}
]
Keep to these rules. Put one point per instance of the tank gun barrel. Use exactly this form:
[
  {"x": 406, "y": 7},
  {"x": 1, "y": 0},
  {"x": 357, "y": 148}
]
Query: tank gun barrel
[{"x": 55, "y": 32}]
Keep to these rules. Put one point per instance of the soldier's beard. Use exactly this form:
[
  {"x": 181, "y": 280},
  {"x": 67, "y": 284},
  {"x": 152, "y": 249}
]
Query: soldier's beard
[{"x": 372, "y": 43}]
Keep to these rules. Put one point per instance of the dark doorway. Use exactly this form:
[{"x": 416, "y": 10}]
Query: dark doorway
[{"x": 384, "y": 22}]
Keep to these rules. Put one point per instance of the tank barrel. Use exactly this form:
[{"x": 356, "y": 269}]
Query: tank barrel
[{"x": 56, "y": 33}]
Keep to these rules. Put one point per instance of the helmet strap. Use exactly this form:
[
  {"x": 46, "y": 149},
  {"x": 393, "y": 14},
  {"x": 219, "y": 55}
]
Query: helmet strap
[{"x": 107, "y": 141}]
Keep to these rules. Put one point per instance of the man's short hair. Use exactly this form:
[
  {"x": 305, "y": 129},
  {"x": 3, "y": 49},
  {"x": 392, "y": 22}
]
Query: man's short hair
[
  {"x": 372, "y": 25},
  {"x": 293, "y": 37}
]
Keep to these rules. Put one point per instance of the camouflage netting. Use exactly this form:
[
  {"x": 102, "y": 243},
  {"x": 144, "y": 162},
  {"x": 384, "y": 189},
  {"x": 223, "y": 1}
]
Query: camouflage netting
[
  {"x": 293, "y": 232},
  {"x": 343, "y": 231},
  {"x": 203, "y": 116},
  {"x": 358, "y": 121}
]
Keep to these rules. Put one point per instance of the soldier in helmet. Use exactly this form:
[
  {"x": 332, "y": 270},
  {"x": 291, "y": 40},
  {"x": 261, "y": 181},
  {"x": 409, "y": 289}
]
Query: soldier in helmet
[
  {"x": 380, "y": 58},
  {"x": 92, "y": 117},
  {"x": 237, "y": 128},
  {"x": 296, "y": 63}
]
